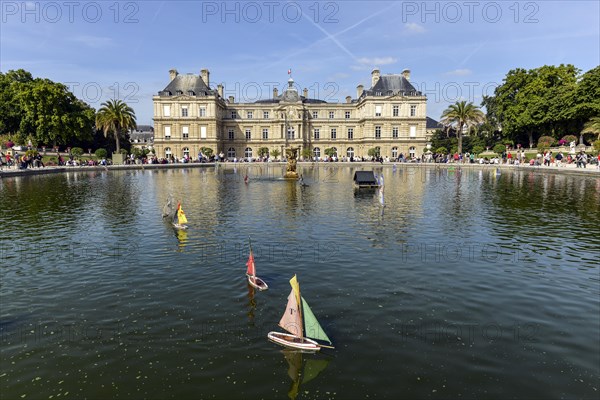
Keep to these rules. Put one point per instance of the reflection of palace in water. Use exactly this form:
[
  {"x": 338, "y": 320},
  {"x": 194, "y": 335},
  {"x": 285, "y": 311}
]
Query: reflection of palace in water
[{"x": 189, "y": 114}]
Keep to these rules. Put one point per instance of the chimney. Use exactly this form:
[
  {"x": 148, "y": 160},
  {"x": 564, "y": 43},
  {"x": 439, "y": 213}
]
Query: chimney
[
  {"x": 173, "y": 73},
  {"x": 359, "y": 91},
  {"x": 348, "y": 99},
  {"x": 231, "y": 99},
  {"x": 220, "y": 90},
  {"x": 205, "y": 74},
  {"x": 305, "y": 93},
  {"x": 374, "y": 77},
  {"x": 406, "y": 74},
  {"x": 275, "y": 92}
]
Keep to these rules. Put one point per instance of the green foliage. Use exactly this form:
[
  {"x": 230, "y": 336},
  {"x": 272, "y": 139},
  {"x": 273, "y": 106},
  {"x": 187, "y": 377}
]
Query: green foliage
[
  {"x": 596, "y": 145},
  {"x": 546, "y": 141},
  {"x": 477, "y": 149},
  {"x": 306, "y": 153},
  {"x": 43, "y": 111},
  {"x": 115, "y": 117},
  {"x": 31, "y": 153},
  {"x": 459, "y": 116},
  {"x": 263, "y": 151},
  {"x": 123, "y": 151},
  {"x": 372, "y": 152},
  {"x": 208, "y": 152},
  {"x": 330, "y": 151},
  {"x": 275, "y": 153},
  {"x": 77, "y": 151},
  {"x": 441, "y": 150},
  {"x": 569, "y": 138},
  {"x": 101, "y": 153},
  {"x": 499, "y": 148}
]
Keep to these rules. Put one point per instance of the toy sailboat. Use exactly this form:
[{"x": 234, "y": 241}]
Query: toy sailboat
[
  {"x": 179, "y": 219},
  {"x": 302, "y": 325},
  {"x": 251, "y": 273}
]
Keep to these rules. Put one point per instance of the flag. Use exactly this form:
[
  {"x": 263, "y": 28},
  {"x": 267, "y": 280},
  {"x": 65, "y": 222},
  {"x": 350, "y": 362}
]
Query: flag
[{"x": 289, "y": 71}]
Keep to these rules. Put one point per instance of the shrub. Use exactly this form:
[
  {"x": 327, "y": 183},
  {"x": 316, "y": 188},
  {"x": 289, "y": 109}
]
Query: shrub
[
  {"x": 208, "y": 152},
  {"x": 124, "y": 152},
  {"x": 596, "y": 145},
  {"x": 101, "y": 153},
  {"x": 546, "y": 141},
  {"x": 77, "y": 151},
  {"x": 477, "y": 149},
  {"x": 569, "y": 138},
  {"x": 499, "y": 148},
  {"x": 441, "y": 150}
]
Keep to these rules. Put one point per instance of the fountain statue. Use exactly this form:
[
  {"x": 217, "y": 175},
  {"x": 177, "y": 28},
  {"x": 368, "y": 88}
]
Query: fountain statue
[{"x": 292, "y": 156}]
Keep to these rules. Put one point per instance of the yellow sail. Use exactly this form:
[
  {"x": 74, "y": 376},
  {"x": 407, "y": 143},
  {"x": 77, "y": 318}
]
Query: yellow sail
[{"x": 181, "y": 219}]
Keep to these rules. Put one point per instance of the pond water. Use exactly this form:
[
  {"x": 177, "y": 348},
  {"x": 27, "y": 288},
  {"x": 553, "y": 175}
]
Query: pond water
[{"x": 467, "y": 284}]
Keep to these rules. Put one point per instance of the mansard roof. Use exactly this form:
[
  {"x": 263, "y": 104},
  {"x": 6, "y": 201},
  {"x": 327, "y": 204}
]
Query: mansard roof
[
  {"x": 432, "y": 124},
  {"x": 188, "y": 84},
  {"x": 392, "y": 84}
]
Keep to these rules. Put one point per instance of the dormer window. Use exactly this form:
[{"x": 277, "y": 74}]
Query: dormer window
[
  {"x": 191, "y": 93},
  {"x": 179, "y": 92}
]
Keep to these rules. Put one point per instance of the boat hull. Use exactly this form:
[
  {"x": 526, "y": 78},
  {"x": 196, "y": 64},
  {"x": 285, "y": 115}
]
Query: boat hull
[
  {"x": 293, "y": 341},
  {"x": 257, "y": 283},
  {"x": 180, "y": 226}
]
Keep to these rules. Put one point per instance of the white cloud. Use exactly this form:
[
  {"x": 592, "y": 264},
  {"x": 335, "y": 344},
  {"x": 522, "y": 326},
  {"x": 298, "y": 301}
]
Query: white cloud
[
  {"x": 459, "y": 72},
  {"x": 93, "y": 41},
  {"x": 376, "y": 61},
  {"x": 412, "y": 27}
]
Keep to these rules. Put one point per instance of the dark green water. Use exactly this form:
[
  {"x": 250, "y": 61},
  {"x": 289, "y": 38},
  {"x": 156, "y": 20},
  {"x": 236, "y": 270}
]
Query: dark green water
[{"x": 466, "y": 285}]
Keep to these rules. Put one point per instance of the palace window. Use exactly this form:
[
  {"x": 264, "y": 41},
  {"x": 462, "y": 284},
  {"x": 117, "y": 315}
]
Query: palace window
[
  {"x": 350, "y": 152},
  {"x": 265, "y": 115},
  {"x": 413, "y": 132},
  {"x": 167, "y": 132},
  {"x": 249, "y": 114},
  {"x": 184, "y": 111},
  {"x": 350, "y": 133},
  {"x": 413, "y": 110},
  {"x": 248, "y": 152},
  {"x": 291, "y": 133},
  {"x": 230, "y": 133},
  {"x": 317, "y": 152},
  {"x": 331, "y": 114},
  {"x": 231, "y": 152},
  {"x": 394, "y": 152},
  {"x": 168, "y": 152},
  {"x": 265, "y": 133},
  {"x": 378, "y": 132},
  {"x": 202, "y": 132},
  {"x": 186, "y": 151},
  {"x": 412, "y": 151},
  {"x": 316, "y": 134},
  {"x": 378, "y": 110},
  {"x": 395, "y": 132},
  {"x": 202, "y": 112},
  {"x": 333, "y": 133},
  {"x": 233, "y": 114},
  {"x": 185, "y": 132},
  {"x": 166, "y": 111},
  {"x": 248, "y": 134},
  {"x": 395, "y": 111},
  {"x": 315, "y": 114},
  {"x": 347, "y": 114}
]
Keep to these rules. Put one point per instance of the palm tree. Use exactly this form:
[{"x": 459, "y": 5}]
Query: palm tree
[
  {"x": 592, "y": 126},
  {"x": 460, "y": 115},
  {"x": 116, "y": 117}
]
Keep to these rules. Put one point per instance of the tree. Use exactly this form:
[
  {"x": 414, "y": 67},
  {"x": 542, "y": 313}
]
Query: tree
[
  {"x": 587, "y": 101},
  {"x": 330, "y": 151},
  {"x": 592, "y": 126},
  {"x": 373, "y": 152},
  {"x": 77, "y": 151},
  {"x": 263, "y": 151},
  {"x": 275, "y": 153},
  {"x": 101, "y": 153},
  {"x": 42, "y": 111},
  {"x": 499, "y": 148},
  {"x": 116, "y": 117},
  {"x": 207, "y": 151},
  {"x": 306, "y": 153},
  {"x": 460, "y": 115}
]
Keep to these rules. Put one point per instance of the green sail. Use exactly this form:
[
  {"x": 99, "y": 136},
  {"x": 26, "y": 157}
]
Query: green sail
[{"x": 312, "y": 329}]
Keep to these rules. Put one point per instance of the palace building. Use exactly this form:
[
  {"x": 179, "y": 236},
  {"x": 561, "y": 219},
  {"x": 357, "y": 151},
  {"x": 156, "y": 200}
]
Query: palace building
[{"x": 390, "y": 115}]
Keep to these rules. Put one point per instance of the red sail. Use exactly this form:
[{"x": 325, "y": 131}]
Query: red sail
[{"x": 251, "y": 268}]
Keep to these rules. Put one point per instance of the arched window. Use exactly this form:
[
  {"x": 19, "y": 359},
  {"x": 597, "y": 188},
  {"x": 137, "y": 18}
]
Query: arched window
[
  {"x": 231, "y": 153},
  {"x": 412, "y": 151},
  {"x": 168, "y": 152},
  {"x": 317, "y": 152},
  {"x": 186, "y": 151},
  {"x": 248, "y": 152},
  {"x": 350, "y": 152},
  {"x": 334, "y": 151},
  {"x": 394, "y": 152}
]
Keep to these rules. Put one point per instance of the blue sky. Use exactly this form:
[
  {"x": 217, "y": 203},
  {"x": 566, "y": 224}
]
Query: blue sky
[{"x": 455, "y": 50}]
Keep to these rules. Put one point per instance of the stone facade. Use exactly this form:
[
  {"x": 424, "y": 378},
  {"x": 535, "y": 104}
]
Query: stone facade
[{"x": 189, "y": 115}]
